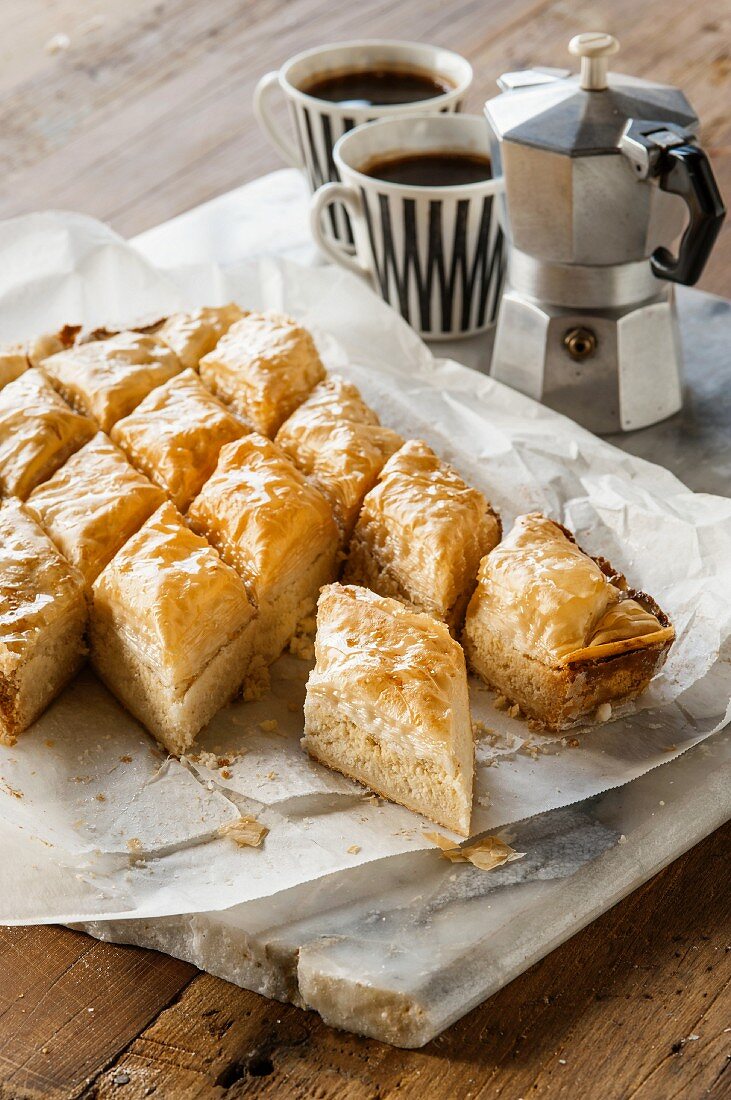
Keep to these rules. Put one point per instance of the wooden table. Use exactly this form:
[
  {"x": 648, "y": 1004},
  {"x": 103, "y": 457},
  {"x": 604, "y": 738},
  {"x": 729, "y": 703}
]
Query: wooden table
[{"x": 144, "y": 110}]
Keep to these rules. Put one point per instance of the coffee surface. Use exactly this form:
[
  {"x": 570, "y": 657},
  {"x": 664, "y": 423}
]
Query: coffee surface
[
  {"x": 448, "y": 169},
  {"x": 376, "y": 87}
]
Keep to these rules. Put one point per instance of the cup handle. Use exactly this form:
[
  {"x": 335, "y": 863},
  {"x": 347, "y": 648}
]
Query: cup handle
[
  {"x": 351, "y": 200},
  {"x": 262, "y": 109}
]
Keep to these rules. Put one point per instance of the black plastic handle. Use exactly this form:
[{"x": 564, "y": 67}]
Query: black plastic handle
[{"x": 684, "y": 170}]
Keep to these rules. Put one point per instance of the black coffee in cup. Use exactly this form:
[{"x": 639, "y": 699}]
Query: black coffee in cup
[
  {"x": 431, "y": 169},
  {"x": 381, "y": 87}
]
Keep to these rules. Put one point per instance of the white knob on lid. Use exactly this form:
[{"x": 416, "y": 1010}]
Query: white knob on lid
[{"x": 593, "y": 47}]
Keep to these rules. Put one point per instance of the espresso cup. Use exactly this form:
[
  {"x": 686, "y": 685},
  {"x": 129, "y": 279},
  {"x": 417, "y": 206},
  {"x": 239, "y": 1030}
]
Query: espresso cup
[
  {"x": 434, "y": 253},
  {"x": 318, "y": 123}
]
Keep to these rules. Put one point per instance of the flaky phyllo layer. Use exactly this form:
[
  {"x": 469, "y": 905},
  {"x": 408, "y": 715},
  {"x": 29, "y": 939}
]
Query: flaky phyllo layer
[{"x": 557, "y": 604}]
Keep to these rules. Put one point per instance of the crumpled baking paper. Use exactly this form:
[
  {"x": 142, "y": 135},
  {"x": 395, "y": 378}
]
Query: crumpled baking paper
[{"x": 96, "y": 822}]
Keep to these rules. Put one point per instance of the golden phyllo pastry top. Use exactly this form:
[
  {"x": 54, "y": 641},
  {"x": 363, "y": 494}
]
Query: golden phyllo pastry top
[
  {"x": 262, "y": 514},
  {"x": 557, "y": 604},
  {"x": 171, "y": 597},
  {"x": 107, "y": 379},
  {"x": 428, "y": 528},
  {"x": 338, "y": 441},
  {"x": 37, "y": 585},
  {"x": 192, "y": 335},
  {"x": 383, "y": 662},
  {"x": 38, "y": 431},
  {"x": 264, "y": 366},
  {"x": 92, "y": 505},
  {"x": 174, "y": 435}
]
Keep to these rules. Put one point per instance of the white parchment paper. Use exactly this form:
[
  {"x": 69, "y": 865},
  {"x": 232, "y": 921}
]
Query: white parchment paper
[{"x": 96, "y": 822}]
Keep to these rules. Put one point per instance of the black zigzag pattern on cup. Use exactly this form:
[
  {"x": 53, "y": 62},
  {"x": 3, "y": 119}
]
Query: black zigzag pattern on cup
[
  {"x": 468, "y": 283},
  {"x": 317, "y": 133}
]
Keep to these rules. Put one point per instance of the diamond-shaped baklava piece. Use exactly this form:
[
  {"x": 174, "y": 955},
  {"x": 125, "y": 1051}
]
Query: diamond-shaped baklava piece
[
  {"x": 43, "y": 613},
  {"x": 421, "y": 535},
  {"x": 338, "y": 441},
  {"x": 192, "y": 335},
  {"x": 558, "y": 632},
  {"x": 264, "y": 366},
  {"x": 107, "y": 379},
  {"x": 38, "y": 432},
  {"x": 171, "y": 629},
  {"x": 15, "y": 359},
  {"x": 275, "y": 529},
  {"x": 93, "y": 504},
  {"x": 387, "y": 704},
  {"x": 175, "y": 434}
]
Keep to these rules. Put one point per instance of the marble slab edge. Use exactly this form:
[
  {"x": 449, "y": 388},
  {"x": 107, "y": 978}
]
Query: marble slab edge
[{"x": 400, "y": 950}]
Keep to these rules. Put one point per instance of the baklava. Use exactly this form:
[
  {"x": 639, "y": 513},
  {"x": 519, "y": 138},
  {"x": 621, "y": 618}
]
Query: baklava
[
  {"x": 192, "y": 335},
  {"x": 338, "y": 441},
  {"x": 16, "y": 359},
  {"x": 275, "y": 529},
  {"x": 93, "y": 504},
  {"x": 171, "y": 629},
  {"x": 107, "y": 379},
  {"x": 558, "y": 632},
  {"x": 264, "y": 367},
  {"x": 421, "y": 535},
  {"x": 174, "y": 436},
  {"x": 43, "y": 614},
  {"x": 387, "y": 704},
  {"x": 38, "y": 432}
]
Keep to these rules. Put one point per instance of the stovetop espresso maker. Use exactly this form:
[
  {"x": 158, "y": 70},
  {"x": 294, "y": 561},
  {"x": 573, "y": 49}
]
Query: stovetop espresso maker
[{"x": 602, "y": 172}]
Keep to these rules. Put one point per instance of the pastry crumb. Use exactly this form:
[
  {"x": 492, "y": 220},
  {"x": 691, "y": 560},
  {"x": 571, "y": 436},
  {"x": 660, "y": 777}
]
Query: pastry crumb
[
  {"x": 271, "y": 775},
  {"x": 257, "y": 685},
  {"x": 134, "y": 844},
  {"x": 101, "y": 797},
  {"x": 269, "y": 725},
  {"x": 353, "y": 849},
  {"x": 501, "y": 703},
  {"x": 225, "y": 773},
  {"x": 604, "y": 712},
  {"x": 485, "y": 854},
  {"x": 247, "y": 832},
  {"x": 514, "y": 711},
  {"x": 126, "y": 759}
]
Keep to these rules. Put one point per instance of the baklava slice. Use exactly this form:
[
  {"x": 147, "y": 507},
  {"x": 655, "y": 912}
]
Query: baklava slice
[
  {"x": 559, "y": 632},
  {"x": 421, "y": 535},
  {"x": 43, "y": 614},
  {"x": 275, "y": 529},
  {"x": 38, "y": 432},
  {"x": 175, "y": 434},
  {"x": 387, "y": 704},
  {"x": 171, "y": 629},
  {"x": 16, "y": 359},
  {"x": 338, "y": 441},
  {"x": 264, "y": 366},
  {"x": 192, "y": 335},
  {"x": 107, "y": 379},
  {"x": 93, "y": 504}
]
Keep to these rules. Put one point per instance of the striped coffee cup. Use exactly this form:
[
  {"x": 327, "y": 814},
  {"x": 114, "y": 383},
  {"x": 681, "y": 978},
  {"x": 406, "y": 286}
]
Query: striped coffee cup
[
  {"x": 437, "y": 253},
  {"x": 318, "y": 123}
]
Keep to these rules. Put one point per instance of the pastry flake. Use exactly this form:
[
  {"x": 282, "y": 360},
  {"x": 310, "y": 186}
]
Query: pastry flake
[
  {"x": 38, "y": 432},
  {"x": 387, "y": 704},
  {"x": 193, "y": 335},
  {"x": 43, "y": 614},
  {"x": 338, "y": 441},
  {"x": 93, "y": 504},
  {"x": 558, "y": 632},
  {"x": 171, "y": 629},
  {"x": 274, "y": 528},
  {"x": 175, "y": 434},
  {"x": 264, "y": 366},
  {"x": 421, "y": 535},
  {"x": 107, "y": 379}
]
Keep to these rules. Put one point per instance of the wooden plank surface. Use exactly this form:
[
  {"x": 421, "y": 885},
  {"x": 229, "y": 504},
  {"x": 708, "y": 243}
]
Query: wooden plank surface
[
  {"x": 145, "y": 114},
  {"x": 635, "y": 1006},
  {"x": 148, "y": 110}
]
